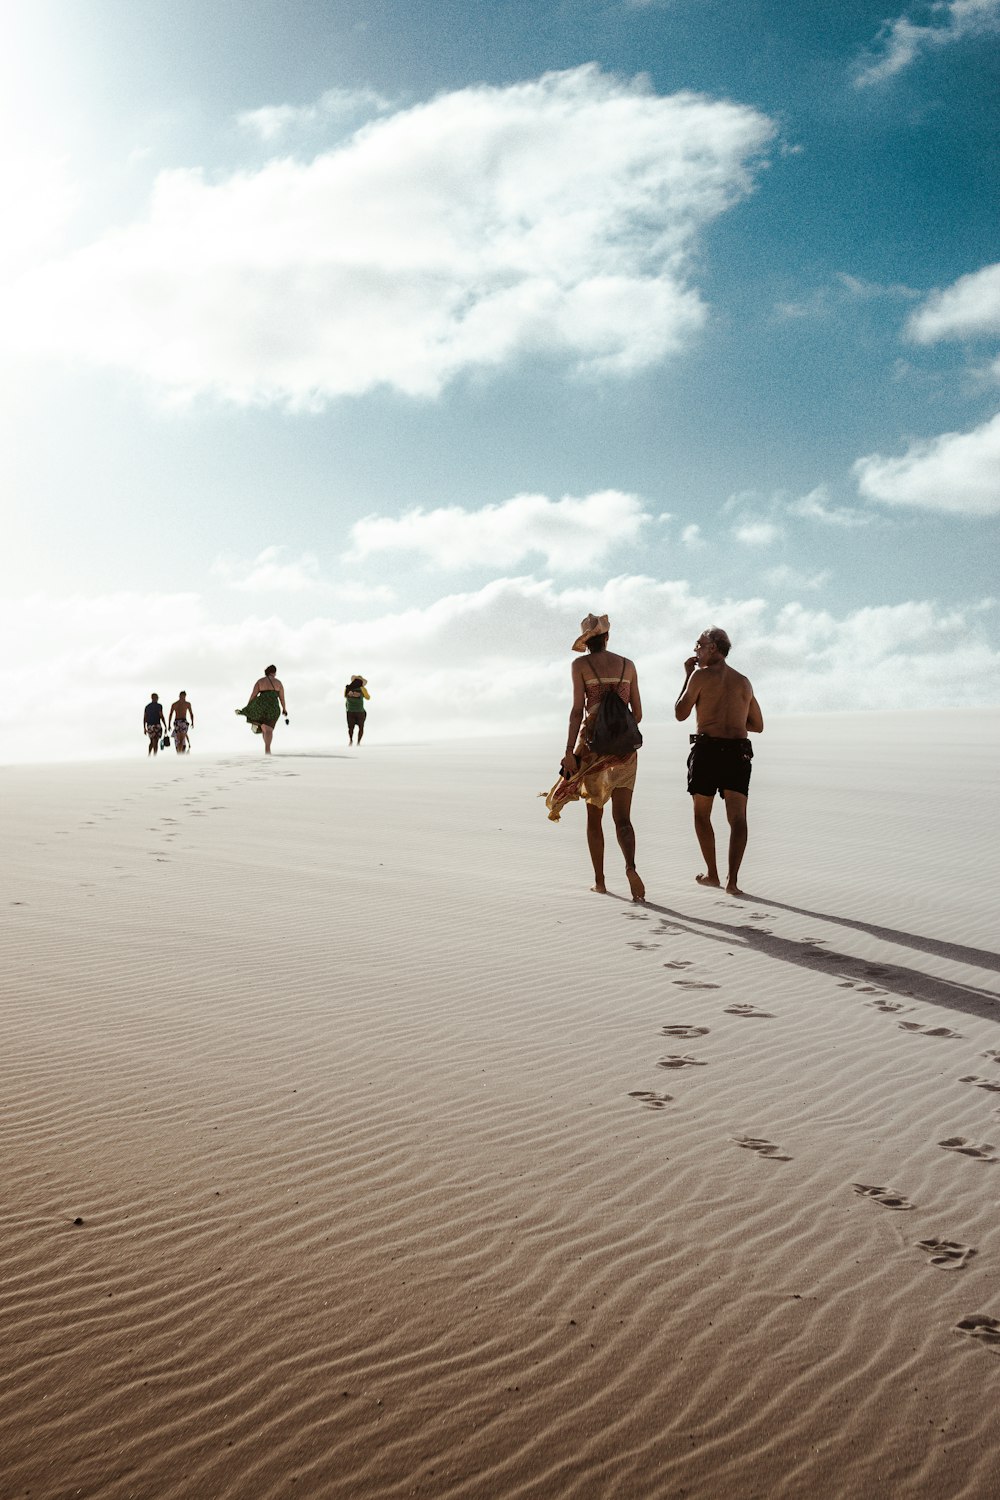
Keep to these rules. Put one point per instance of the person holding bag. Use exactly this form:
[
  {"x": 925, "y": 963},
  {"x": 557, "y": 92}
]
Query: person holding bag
[{"x": 602, "y": 748}]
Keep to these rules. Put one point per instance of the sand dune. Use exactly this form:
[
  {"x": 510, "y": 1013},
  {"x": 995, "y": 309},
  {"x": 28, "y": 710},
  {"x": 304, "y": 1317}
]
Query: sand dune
[{"x": 407, "y": 1167}]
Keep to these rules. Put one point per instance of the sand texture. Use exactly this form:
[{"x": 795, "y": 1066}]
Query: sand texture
[{"x": 406, "y": 1166}]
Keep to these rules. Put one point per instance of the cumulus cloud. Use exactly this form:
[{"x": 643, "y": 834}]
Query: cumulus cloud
[
  {"x": 270, "y": 572},
  {"x": 557, "y": 217},
  {"x": 816, "y": 506},
  {"x": 957, "y": 473},
  {"x": 691, "y": 537},
  {"x": 901, "y": 41},
  {"x": 969, "y": 308},
  {"x": 569, "y": 533},
  {"x": 97, "y": 659},
  {"x": 757, "y": 533},
  {"x": 271, "y": 122}
]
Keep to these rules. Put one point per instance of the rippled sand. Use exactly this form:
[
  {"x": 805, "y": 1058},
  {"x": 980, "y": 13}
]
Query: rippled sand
[{"x": 406, "y": 1166}]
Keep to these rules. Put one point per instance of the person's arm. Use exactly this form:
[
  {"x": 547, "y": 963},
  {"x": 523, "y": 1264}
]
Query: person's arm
[
  {"x": 191, "y": 715},
  {"x": 634, "y": 701},
  {"x": 171, "y": 719},
  {"x": 568, "y": 765},
  {"x": 366, "y": 694},
  {"x": 755, "y": 719},
  {"x": 688, "y": 696},
  {"x": 281, "y": 697}
]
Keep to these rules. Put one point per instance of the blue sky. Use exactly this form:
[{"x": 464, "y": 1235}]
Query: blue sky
[{"x": 395, "y": 337}]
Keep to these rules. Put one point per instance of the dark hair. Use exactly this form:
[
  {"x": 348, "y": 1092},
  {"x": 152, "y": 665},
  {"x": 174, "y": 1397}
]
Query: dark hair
[
  {"x": 269, "y": 671},
  {"x": 597, "y": 642},
  {"x": 354, "y": 682},
  {"x": 720, "y": 639},
  {"x": 154, "y": 695}
]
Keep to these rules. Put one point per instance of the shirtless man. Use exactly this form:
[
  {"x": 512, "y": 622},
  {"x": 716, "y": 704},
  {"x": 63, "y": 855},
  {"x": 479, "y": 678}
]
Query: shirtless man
[
  {"x": 726, "y": 711},
  {"x": 182, "y": 718}
]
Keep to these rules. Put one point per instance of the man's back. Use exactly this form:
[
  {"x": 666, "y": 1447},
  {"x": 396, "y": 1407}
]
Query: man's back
[{"x": 723, "y": 703}]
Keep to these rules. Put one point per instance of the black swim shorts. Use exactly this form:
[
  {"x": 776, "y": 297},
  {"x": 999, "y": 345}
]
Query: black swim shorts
[{"x": 716, "y": 765}]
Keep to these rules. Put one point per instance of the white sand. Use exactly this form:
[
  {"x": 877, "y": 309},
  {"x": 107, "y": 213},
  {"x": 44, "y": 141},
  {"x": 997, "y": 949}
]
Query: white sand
[{"x": 343, "y": 1069}]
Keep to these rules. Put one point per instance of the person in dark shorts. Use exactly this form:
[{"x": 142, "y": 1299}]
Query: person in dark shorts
[
  {"x": 153, "y": 724},
  {"x": 356, "y": 695},
  {"x": 721, "y": 755}
]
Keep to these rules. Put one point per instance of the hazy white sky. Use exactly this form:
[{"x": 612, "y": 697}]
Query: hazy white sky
[{"x": 394, "y": 339}]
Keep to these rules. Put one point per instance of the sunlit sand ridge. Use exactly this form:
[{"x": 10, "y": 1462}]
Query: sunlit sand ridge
[{"x": 404, "y": 1165}]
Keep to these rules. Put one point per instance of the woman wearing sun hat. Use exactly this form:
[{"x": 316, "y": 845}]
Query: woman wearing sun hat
[
  {"x": 355, "y": 697},
  {"x": 592, "y": 776}
]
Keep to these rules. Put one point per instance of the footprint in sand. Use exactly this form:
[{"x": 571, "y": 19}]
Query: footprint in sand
[
  {"x": 644, "y": 947},
  {"x": 982, "y": 1327},
  {"x": 763, "y": 1148},
  {"x": 929, "y": 1030},
  {"x": 870, "y": 989},
  {"x": 636, "y": 916},
  {"x": 966, "y": 1148},
  {"x": 667, "y": 929},
  {"x": 948, "y": 1254},
  {"x": 989, "y": 1084},
  {"x": 888, "y": 1197},
  {"x": 887, "y": 1007},
  {"x": 676, "y": 1061},
  {"x": 685, "y": 1031},
  {"x": 750, "y": 1011},
  {"x": 679, "y": 963},
  {"x": 695, "y": 984},
  {"x": 650, "y": 1099},
  {"x": 993, "y": 1056}
]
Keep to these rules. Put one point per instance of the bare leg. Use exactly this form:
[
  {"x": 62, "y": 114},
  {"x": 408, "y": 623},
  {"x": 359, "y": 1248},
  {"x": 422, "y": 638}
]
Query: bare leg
[
  {"x": 621, "y": 807},
  {"x": 595, "y": 843},
  {"x": 361, "y": 730},
  {"x": 736, "y": 812},
  {"x": 266, "y": 731},
  {"x": 706, "y": 839}
]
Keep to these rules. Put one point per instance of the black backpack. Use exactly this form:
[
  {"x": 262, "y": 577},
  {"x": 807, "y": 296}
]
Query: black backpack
[{"x": 614, "y": 731}]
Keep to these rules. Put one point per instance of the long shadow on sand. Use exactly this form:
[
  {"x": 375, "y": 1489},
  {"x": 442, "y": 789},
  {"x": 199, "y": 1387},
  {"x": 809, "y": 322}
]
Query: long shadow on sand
[
  {"x": 913, "y": 984},
  {"x": 981, "y": 958}
]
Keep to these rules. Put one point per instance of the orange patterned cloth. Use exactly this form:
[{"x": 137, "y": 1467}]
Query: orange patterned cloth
[{"x": 599, "y": 775}]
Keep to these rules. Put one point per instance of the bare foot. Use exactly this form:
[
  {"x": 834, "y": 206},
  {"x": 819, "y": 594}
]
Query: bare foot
[
  {"x": 732, "y": 889},
  {"x": 707, "y": 880},
  {"x": 600, "y": 889},
  {"x": 635, "y": 885}
]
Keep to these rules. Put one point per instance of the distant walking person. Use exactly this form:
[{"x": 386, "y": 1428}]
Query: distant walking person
[
  {"x": 601, "y": 748},
  {"x": 721, "y": 755},
  {"x": 355, "y": 697},
  {"x": 153, "y": 724},
  {"x": 182, "y": 719},
  {"x": 265, "y": 706}
]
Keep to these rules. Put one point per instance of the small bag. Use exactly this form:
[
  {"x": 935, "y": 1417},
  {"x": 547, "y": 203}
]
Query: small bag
[
  {"x": 614, "y": 730},
  {"x": 165, "y": 742}
]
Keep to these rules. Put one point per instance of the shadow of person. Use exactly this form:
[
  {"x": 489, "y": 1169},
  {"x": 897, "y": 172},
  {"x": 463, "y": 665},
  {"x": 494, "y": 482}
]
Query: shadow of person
[
  {"x": 862, "y": 974},
  {"x": 981, "y": 958}
]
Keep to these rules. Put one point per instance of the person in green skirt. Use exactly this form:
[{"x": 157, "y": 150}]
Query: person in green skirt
[{"x": 265, "y": 707}]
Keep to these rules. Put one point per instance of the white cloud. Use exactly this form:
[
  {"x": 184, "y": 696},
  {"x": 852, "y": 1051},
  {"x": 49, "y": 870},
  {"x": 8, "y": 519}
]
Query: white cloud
[
  {"x": 969, "y": 308},
  {"x": 95, "y": 661},
  {"x": 958, "y": 473},
  {"x": 691, "y": 537},
  {"x": 272, "y": 121},
  {"x": 901, "y": 42},
  {"x": 757, "y": 533},
  {"x": 816, "y": 507},
  {"x": 569, "y": 533},
  {"x": 39, "y": 199},
  {"x": 269, "y": 573},
  {"x": 556, "y": 218}
]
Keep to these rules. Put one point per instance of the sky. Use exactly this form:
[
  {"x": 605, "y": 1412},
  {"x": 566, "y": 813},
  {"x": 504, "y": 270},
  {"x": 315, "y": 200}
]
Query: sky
[{"x": 394, "y": 337}]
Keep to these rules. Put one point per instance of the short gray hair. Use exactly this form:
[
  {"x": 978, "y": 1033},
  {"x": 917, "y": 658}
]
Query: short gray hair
[{"x": 720, "y": 639}]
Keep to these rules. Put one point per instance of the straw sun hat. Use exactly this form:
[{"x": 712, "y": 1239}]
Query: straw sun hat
[
  {"x": 589, "y": 627},
  {"x": 357, "y": 677}
]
